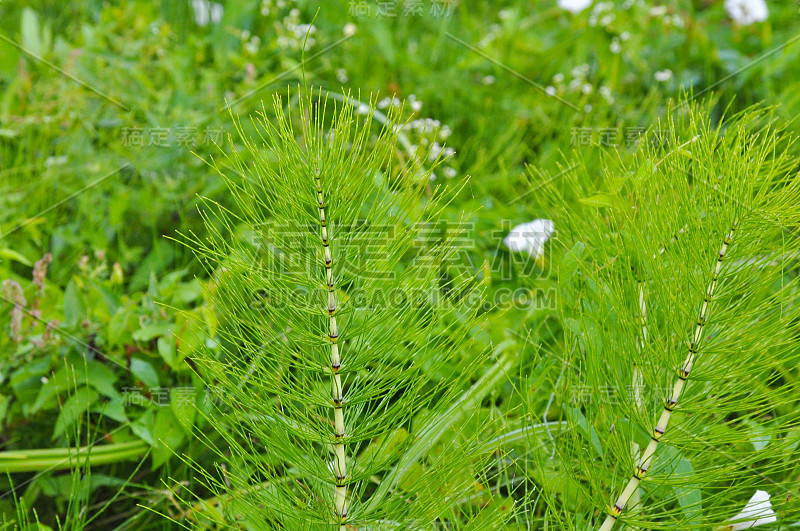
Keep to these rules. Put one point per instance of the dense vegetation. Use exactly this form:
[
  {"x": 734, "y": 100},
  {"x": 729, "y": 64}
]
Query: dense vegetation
[{"x": 165, "y": 323}]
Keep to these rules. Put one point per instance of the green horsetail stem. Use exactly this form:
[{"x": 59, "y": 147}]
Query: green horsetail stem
[
  {"x": 683, "y": 375},
  {"x": 640, "y": 346},
  {"x": 638, "y": 380},
  {"x": 339, "y": 465},
  {"x": 663, "y": 248}
]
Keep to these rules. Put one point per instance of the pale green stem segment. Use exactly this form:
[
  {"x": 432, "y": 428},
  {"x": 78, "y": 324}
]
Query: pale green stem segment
[
  {"x": 674, "y": 238},
  {"x": 339, "y": 465},
  {"x": 683, "y": 375},
  {"x": 638, "y": 383}
]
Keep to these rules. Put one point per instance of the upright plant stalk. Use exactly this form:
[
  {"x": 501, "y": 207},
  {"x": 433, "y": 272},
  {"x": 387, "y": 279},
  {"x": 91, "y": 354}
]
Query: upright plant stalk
[
  {"x": 339, "y": 465},
  {"x": 279, "y": 352},
  {"x": 683, "y": 375},
  {"x": 640, "y": 346},
  {"x": 638, "y": 380}
]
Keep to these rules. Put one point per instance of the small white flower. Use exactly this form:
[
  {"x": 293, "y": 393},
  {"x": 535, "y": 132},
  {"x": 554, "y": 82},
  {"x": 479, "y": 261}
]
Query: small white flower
[
  {"x": 574, "y": 6},
  {"x": 349, "y": 29},
  {"x": 624, "y": 36},
  {"x": 587, "y": 107},
  {"x": 205, "y": 11},
  {"x": 216, "y": 12},
  {"x": 505, "y": 14},
  {"x": 530, "y": 237},
  {"x": 558, "y": 78},
  {"x": 663, "y": 75},
  {"x": 746, "y": 12},
  {"x": 758, "y": 511},
  {"x": 449, "y": 172},
  {"x": 550, "y": 90},
  {"x": 677, "y": 21},
  {"x": 55, "y": 161},
  {"x": 301, "y": 30},
  {"x": 580, "y": 71},
  {"x": 658, "y": 11},
  {"x": 489, "y": 80},
  {"x": 615, "y": 46},
  {"x": 586, "y": 88},
  {"x": 341, "y": 75},
  {"x": 251, "y": 46}
]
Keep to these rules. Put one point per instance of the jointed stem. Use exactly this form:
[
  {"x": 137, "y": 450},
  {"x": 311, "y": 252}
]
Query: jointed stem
[
  {"x": 339, "y": 465},
  {"x": 683, "y": 375},
  {"x": 638, "y": 381}
]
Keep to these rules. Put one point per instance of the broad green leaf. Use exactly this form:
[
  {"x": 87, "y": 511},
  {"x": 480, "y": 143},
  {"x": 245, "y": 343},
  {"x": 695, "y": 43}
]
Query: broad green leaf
[
  {"x": 385, "y": 446},
  {"x": 604, "y": 200},
  {"x": 113, "y": 409},
  {"x": 118, "y": 327},
  {"x": 144, "y": 371},
  {"x": 14, "y": 255},
  {"x": 689, "y": 496},
  {"x": 168, "y": 435},
  {"x": 110, "y": 298},
  {"x": 102, "y": 378},
  {"x": 3, "y": 407},
  {"x": 74, "y": 308},
  {"x": 143, "y": 426},
  {"x": 586, "y": 429},
  {"x": 75, "y": 406},
  {"x": 189, "y": 291},
  {"x": 183, "y": 402},
  {"x": 151, "y": 331},
  {"x": 571, "y": 262},
  {"x": 759, "y": 434},
  {"x": 31, "y": 32},
  {"x": 166, "y": 348}
]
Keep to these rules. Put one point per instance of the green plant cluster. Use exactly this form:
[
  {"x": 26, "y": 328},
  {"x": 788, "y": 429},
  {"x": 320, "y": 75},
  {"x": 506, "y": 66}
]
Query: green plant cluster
[{"x": 136, "y": 309}]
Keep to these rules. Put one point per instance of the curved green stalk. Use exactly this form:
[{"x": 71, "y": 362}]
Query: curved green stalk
[
  {"x": 64, "y": 458},
  {"x": 435, "y": 428}
]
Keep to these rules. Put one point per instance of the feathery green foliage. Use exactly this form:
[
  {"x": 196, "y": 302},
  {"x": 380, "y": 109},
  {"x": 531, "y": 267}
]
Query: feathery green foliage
[
  {"x": 706, "y": 222},
  {"x": 347, "y": 330}
]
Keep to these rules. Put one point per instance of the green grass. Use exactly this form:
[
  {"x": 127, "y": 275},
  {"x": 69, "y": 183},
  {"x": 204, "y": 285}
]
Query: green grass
[{"x": 109, "y": 115}]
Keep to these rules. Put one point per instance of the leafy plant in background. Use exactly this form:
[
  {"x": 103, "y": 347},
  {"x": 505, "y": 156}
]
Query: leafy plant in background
[
  {"x": 347, "y": 339},
  {"x": 679, "y": 294}
]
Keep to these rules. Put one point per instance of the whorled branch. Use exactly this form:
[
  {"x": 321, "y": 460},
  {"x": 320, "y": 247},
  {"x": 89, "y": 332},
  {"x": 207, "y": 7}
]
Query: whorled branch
[{"x": 683, "y": 375}]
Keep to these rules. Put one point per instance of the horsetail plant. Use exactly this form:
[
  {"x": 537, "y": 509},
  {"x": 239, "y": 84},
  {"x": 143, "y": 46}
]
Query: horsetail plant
[
  {"x": 348, "y": 333},
  {"x": 683, "y": 375},
  {"x": 714, "y": 347}
]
